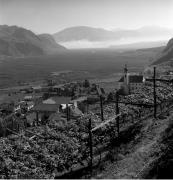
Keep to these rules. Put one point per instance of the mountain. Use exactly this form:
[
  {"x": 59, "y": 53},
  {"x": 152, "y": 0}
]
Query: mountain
[
  {"x": 80, "y": 33},
  {"x": 166, "y": 55},
  {"x": 83, "y": 33},
  {"x": 17, "y": 41}
]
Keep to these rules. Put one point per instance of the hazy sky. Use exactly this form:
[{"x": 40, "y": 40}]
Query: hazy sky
[{"x": 53, "y": 15}]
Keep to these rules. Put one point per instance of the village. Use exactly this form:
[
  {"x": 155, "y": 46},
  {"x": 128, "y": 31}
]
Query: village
[
  {"x": 57, "y": 116},
  {"x": 37, "y": 105}
]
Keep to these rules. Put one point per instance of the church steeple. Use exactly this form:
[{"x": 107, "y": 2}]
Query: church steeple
[
  {"x": 125, "y": 74},
  {"x": 125, "y": 69}
]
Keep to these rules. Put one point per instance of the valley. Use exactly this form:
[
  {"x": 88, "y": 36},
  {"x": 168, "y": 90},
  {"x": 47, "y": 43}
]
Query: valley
[{"x": 77, "y": 65}]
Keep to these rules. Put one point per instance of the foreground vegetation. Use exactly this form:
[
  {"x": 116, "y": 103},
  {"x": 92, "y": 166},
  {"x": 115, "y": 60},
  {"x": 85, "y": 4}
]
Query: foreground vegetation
[{"x": 46, "y": 150}]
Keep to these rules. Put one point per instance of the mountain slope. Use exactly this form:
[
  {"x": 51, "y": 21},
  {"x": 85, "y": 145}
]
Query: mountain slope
[
  {"x": 166, "y": 55},
  {"x": 49, "y": 44},
  {"x": 17, "y": 41}
]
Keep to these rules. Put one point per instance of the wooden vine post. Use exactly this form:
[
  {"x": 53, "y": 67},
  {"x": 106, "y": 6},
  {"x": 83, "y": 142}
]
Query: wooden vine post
[
  {"x": 87, "y": 106},
  {"x": 67, "y": 112},
  {"x": 37, "y": 117},
  {"x": 90, "y": 146},
  {"x": 117, "y": 112},
  {"x": 101, "y": 107},
  {"x": 154, "y": 92}
]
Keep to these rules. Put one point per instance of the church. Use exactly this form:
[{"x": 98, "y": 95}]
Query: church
[{"x": 130, "y": 83}]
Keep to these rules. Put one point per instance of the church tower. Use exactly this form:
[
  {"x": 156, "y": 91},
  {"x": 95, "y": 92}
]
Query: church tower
[
  {"x": 126, "y": 80},
  {"x": 126, "y": 77}
]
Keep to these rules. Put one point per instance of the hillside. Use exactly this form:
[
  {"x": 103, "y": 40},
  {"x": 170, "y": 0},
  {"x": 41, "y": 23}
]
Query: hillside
[
  {"x": 166, "y": 55},
  {"x": 49, "y": 44},
  {"x": 19, "y": 42}
]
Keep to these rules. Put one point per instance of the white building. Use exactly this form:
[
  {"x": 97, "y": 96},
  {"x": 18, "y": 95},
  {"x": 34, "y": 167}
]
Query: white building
[{"x": 130, "y": 83}]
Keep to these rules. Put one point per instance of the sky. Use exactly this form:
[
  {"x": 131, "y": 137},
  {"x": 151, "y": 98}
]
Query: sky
[{"x": 50, "y": 16}]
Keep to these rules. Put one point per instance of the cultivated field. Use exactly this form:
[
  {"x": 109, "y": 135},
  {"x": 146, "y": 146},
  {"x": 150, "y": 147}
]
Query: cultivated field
[{"x": 76, "y": 65}]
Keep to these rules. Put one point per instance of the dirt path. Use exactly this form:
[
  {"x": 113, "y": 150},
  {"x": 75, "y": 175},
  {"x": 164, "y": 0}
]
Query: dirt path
[{"x": 132, "y": 158}]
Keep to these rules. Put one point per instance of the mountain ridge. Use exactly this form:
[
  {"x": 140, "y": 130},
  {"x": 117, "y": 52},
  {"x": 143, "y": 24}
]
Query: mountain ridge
[
  {"x": 19, "y": 42},
  {"x": 166, "y": 55}
]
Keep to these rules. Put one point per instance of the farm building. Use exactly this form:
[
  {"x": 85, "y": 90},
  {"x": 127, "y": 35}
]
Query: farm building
[
  {"x": 43, "y": 111},
  {"x": 50, "y": 106}
]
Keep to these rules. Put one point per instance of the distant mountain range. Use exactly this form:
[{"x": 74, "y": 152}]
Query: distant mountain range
[
  {"x": 20, "y": 42},
  {"x": 84, "y": 33},
  {"x": 81, "y": 33}
]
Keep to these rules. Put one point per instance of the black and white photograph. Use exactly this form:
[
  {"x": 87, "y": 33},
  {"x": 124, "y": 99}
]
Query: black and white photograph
[{"x": 86, "y": 89}]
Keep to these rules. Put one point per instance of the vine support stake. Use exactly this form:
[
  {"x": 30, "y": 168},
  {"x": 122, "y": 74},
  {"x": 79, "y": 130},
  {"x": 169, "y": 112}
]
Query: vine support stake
[
  {"x": 117, "y": 112},
  {"x": 67, "y": 112},
  {"x": 90, "y": 146},
  {"x": 154, "y": 92},
  {"x": 101, "y": 107}
]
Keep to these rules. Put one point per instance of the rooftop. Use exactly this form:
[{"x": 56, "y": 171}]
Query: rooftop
[
  {"x": 133, "y": 79},
  {"x": 57, "y": 100},
  {"x": 46, "y": 107}
]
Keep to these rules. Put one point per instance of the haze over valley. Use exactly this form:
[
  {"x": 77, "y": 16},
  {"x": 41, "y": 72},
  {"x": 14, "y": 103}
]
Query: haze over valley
[
  {"x": 99, "y": 42},
  {"x": 88, "y": 37}
]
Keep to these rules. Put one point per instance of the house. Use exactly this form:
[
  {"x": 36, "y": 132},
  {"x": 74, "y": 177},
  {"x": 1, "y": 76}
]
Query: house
[
  {"x": 46, "y": 108},
  {"x": 130, "y": 83},
  {"x": 43, "y": 111},
  {"x": 59, "y": 101}
]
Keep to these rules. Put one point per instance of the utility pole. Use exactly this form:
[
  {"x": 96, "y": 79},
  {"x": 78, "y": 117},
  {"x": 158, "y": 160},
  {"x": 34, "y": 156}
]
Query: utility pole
[
  {"x": 154, "y": 92},
  {"x": 117, "y": 112},
  {"x": 90, "y": 146},
  {"x": 101, "y": 107}
]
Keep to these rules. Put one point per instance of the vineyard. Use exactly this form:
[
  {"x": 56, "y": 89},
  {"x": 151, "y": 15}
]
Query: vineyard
[{"x": 47, "y": 151}]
